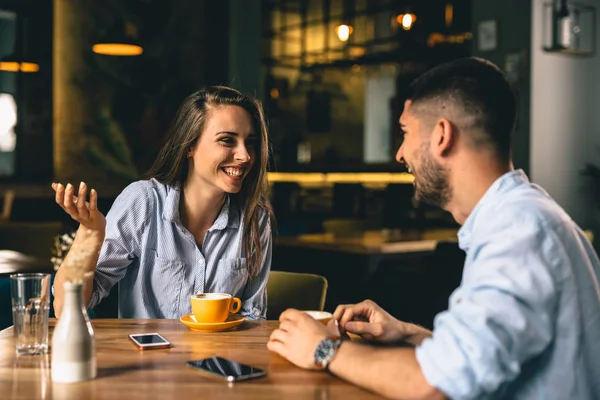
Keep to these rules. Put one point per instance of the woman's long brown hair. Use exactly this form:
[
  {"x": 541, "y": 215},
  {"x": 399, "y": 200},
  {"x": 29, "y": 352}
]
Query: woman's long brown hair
[{"x": 171, "y": 164}]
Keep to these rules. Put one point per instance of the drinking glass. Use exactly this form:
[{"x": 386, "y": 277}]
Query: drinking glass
[{"x": 30, "y": 306}]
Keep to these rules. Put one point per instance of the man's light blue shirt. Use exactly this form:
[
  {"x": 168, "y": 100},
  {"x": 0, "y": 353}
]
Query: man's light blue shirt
[
  {"x": 159, "y": 265},
  {"x": 525, "y": 321}
]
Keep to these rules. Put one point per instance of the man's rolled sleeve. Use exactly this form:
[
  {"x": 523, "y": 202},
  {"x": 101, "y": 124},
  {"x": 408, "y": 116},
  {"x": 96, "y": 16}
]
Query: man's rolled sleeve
[{"x": 500, "y": 317}]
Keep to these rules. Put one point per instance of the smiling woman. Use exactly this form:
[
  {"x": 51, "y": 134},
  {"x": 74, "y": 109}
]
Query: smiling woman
[{"x": 200, "y": 223}]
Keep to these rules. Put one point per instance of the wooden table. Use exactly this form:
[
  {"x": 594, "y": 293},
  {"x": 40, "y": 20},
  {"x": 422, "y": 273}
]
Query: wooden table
[{"x": 125, "y": 372}]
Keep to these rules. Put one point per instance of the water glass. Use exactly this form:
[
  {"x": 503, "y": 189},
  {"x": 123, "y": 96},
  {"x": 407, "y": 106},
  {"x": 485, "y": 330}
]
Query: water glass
[{"x": 30, "y": 305}]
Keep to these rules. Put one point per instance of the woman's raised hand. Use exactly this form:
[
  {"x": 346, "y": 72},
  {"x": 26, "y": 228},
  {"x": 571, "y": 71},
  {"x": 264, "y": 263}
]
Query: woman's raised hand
[{"x": 75, "y": 204}]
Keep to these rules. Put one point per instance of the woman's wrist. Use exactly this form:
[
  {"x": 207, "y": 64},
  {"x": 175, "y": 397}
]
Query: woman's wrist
[{"x": 90, "y": 234}]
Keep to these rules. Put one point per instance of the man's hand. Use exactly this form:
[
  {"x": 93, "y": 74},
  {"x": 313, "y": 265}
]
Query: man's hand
[
  {"x": 298, "y": 336},
  {"x": 373, "y": 323}
]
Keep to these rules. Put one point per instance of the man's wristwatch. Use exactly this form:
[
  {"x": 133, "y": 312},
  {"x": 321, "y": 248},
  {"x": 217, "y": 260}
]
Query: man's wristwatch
[{"x": 326, "y": 350}]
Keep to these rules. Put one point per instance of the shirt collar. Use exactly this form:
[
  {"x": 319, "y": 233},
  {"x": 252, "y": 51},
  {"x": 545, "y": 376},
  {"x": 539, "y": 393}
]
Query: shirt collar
[
  {"x": 229, "y": 216},
  {"x": 500, "y": 186}
]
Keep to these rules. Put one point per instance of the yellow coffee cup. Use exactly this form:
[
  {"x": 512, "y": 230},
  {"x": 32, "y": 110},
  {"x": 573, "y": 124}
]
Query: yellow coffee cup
[{"x": 214, "y": 307}]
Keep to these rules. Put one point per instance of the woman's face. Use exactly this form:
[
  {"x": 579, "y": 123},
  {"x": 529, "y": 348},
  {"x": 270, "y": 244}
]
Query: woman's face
[{"x": 225, "y": 151}]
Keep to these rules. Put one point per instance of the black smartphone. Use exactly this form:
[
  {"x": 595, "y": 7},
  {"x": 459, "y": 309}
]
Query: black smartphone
[
  {"x": 229, "y": 370},
  {"x": 149, "y": 341}
]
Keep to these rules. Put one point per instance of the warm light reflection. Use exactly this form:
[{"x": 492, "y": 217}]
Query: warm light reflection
[
  {"x": 29, "y": 67},
  {"x": 370, "y": 177},
  {"x": 356, "y": 52},
  {"x": 343, "y": 32},
  {"x": 9, "y": 66},
  {"x": 318, "y": 178},
  {"x": 274, "y": 93},
  {"x": 459, "y": 38},
  {"x": 117, "y": 49},
  {"x": 449, "y": 14},
  {"x": 406, "y": 20},
  {"x": 13, "y": 66}
]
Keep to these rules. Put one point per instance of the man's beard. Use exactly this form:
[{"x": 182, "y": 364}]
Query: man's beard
[{"x": 431, "y": 180}]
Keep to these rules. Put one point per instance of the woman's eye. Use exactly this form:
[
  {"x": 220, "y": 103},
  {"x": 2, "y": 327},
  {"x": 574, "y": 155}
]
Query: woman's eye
[{"x": 226, "y": 140}]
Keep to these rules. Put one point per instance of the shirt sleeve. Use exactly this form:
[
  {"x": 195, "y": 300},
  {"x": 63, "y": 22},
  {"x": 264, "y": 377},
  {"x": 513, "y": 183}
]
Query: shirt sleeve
[
  {"x": 501, "y": 316},
  {"x": 125, "y": 223},
  {"x": 254, "y": 301}
]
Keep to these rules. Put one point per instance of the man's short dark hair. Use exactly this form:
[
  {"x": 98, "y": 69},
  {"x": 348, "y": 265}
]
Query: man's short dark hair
[{"x": 477, "y": 88}]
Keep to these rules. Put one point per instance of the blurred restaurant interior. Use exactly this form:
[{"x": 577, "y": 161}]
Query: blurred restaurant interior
[{"x": 332, "y": 75}]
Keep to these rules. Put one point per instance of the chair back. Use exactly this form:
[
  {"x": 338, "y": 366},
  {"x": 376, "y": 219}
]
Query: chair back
[{"x": 294, "y": 290}]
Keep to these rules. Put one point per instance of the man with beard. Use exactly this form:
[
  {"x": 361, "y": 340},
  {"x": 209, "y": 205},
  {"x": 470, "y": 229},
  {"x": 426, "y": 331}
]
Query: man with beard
[{"x": 525, "y": 321}]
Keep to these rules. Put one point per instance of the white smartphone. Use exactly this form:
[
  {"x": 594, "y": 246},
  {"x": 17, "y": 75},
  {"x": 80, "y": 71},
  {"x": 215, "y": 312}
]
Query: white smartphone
[
  {"x": 149, "y": 341},
  {"x": 229, "y": 370}
]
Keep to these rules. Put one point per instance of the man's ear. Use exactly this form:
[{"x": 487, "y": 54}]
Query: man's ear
[{"x": 443, "y": 137}]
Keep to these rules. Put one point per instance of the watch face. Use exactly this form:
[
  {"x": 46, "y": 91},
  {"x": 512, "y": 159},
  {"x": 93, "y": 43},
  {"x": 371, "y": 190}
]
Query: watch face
[{"x": 324, "y": 351}]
